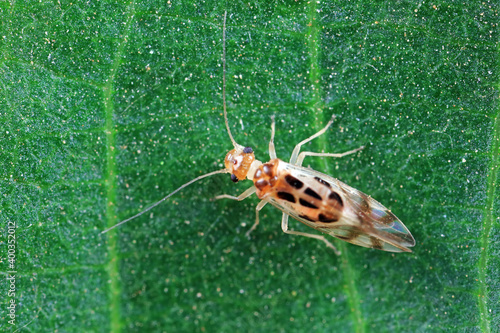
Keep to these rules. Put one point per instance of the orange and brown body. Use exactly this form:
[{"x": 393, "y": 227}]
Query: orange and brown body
[
  {"x": 316, "y": 202},
  {"x": 325, "y": 204}
]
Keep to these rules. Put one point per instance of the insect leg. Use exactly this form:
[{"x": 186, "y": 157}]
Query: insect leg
[
  {"x": 272, "y": 151},
  {"x": 308, "y": 153},
  {"x": 284, "y": 227},
  {"x": 240, "y": 197},
  {"x": 257, "y": 209},
  {"x": 296, "y": 150},
  {"x": 243, "y": 196}
]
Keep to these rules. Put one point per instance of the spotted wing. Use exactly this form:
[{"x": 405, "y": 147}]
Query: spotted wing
[
  {"x": 358, "y": 218},
  {"x": 376, "y": 221}
]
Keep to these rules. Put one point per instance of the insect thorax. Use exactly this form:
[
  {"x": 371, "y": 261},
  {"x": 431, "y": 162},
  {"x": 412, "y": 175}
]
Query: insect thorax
[{"x": 312, "y": 198}]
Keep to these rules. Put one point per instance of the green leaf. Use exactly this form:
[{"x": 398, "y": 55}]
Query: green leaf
[{"x": 106, "y": 107}]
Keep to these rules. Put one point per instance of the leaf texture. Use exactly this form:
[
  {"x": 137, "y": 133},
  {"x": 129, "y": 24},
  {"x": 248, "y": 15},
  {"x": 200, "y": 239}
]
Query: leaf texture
[{"x": 106, "y": 107}]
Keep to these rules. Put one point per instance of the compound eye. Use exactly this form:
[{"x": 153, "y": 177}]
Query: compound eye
[
  {"x": 234, "y": 178},
  {"x": 247, "y": 150}
]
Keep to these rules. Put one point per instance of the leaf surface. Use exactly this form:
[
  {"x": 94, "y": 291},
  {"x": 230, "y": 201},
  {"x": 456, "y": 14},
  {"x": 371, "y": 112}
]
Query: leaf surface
[{"x": 107, "y": 107}]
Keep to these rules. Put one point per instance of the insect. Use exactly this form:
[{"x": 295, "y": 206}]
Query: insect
[{"x": 319, "y": 201}]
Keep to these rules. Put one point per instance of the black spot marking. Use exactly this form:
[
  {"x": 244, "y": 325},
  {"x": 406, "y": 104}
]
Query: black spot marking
[
  {"x": 305, "y": 217},
  {"x": 247, "y": 150},
  {"x": 286, "y": 196},
  {"x": 326, "y": 219},
  {"x": 294, "y": 182},
  {"x": 312, "y": 193},
  {"x": 364, "y": 204},
  {"x": 349, "y": 237},
  {"x": 342, "y": 237},
  {"x": 376, "y": 243},
  {"x": 261, "y": 184},
  {"x": 234, "y": 178},
  {"x": 335, "y": 196},
  {"x": 307, "y": 204},
  {"x": 324, "y": 182}
]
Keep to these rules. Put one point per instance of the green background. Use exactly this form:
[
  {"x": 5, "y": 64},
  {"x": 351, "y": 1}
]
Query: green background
[{"x": 105, "y": 107}]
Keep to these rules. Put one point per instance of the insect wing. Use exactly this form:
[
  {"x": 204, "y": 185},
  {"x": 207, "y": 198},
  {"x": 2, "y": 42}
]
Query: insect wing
[
  {"x": 377, "y": 220},
  {"x": 364, "y": 221}
]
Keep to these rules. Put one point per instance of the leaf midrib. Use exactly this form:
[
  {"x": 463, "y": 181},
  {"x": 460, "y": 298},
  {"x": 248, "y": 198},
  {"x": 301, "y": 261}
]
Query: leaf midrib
[
  {"x": 494, "y": 169},
  {"x": 351, "y": 290},
  {"x": 112, "y": 267}
]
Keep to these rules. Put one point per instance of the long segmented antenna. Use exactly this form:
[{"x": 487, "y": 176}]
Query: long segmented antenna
[
  {"x": 236, "y": 145},
  {"x": 165, "y": 198}
]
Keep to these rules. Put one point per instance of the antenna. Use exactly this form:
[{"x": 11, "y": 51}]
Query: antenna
[
  {"x": 166, "y": 197},
  {"x": 236, "y": 145}
]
